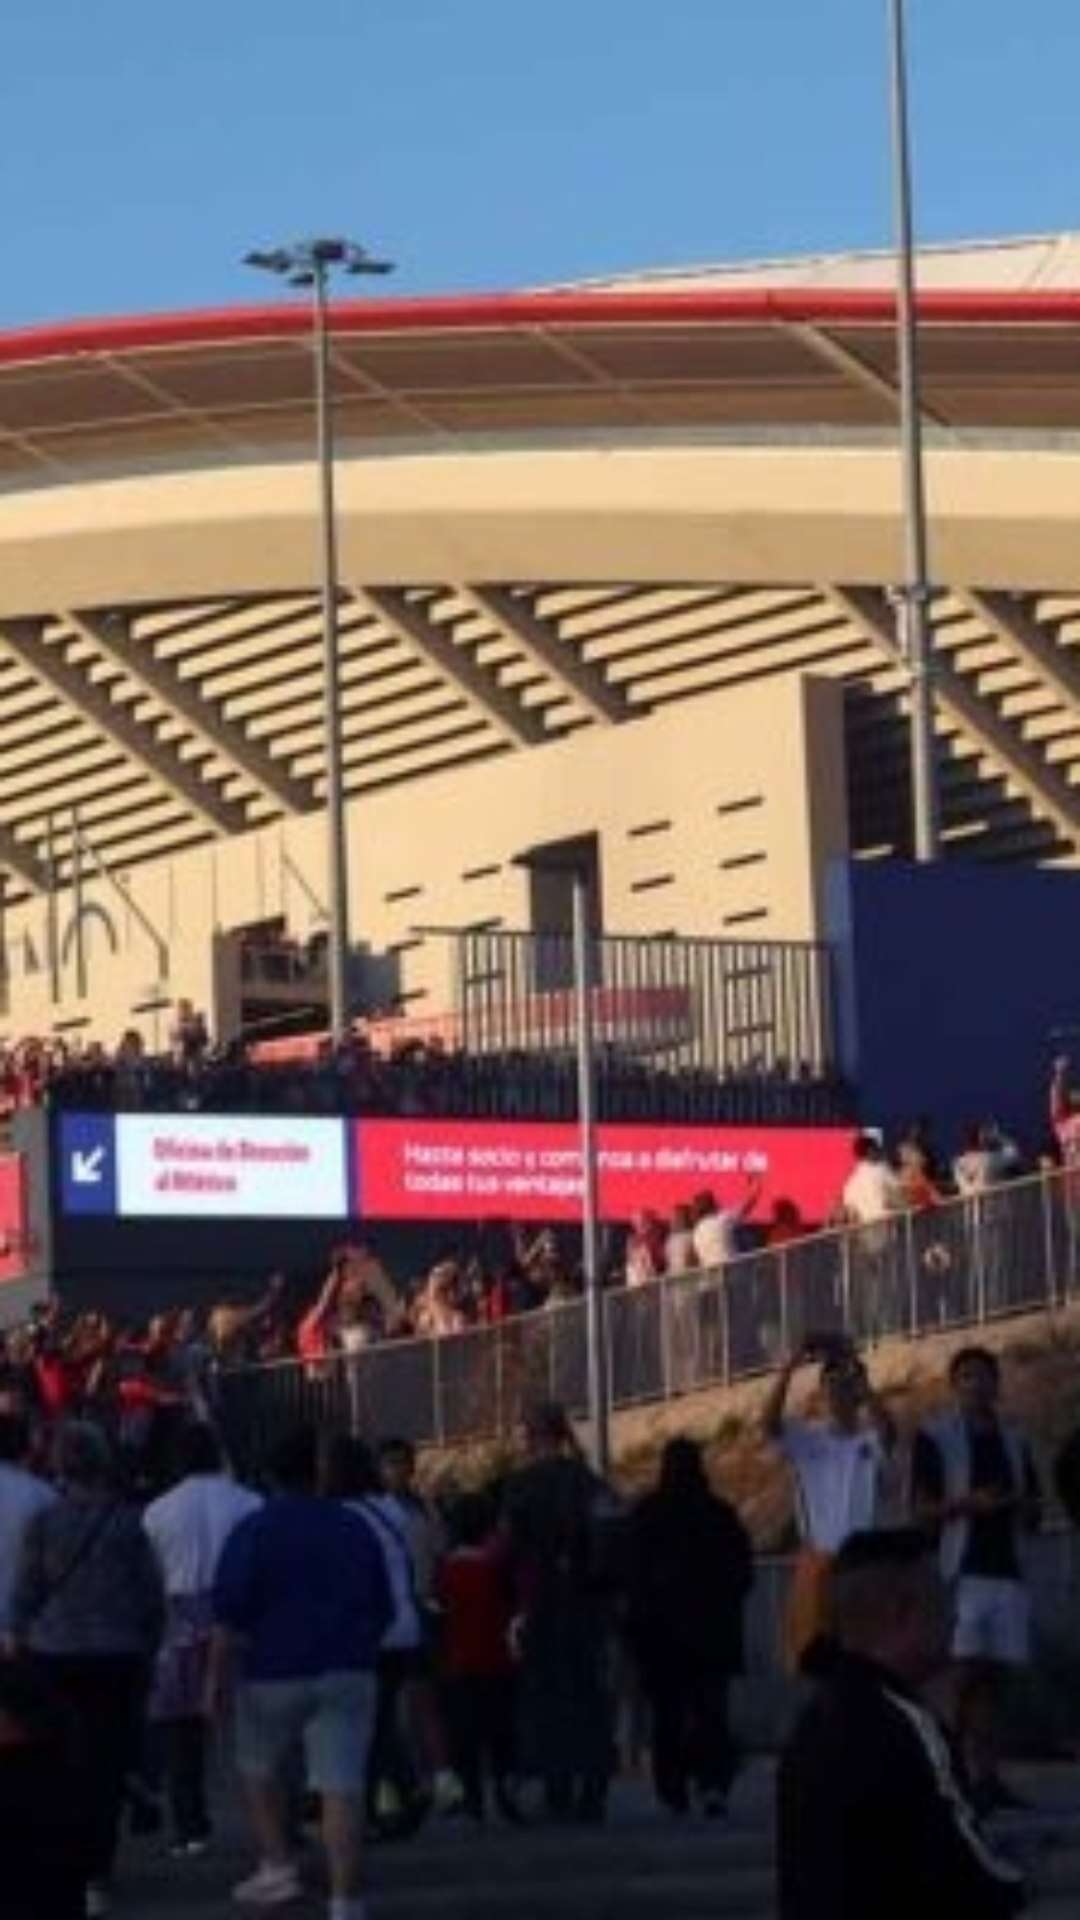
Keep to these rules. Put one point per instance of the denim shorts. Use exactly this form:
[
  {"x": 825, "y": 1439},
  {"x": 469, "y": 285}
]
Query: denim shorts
[{"x": 332, "y": 1714}]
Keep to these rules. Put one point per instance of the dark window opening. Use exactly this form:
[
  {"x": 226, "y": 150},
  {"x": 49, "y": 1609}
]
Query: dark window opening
[{"x": 551, "y": 907}]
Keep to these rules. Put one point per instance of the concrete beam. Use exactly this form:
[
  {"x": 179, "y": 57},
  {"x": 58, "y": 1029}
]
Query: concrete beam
[
  {"x": 1040, "y": 783},
  {"x": 832, "y": 353},
  {"x": 1009, "y": 620},
  {"x": 51, "y": 668},
  {"x": 563, "y": 662},
  {"x": 22, "y": 862},
  {"x": 409, "y": 623},
  {"x": 111, "y": 635}
]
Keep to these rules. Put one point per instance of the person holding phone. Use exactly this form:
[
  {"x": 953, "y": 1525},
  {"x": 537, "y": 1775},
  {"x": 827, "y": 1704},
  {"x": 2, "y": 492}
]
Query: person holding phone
[
  {"x": 839, "y": 1468},
  {"x": 975, "y": 1488}
]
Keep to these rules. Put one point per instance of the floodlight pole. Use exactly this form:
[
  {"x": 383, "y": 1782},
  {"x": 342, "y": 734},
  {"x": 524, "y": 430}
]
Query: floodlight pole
[
  {"x": 337, "y": 854},
  {"x": 308, "y": 264},
  {"x": 590, "y": 1235},
  {"x": 913, "y": 597},
  {"x": 552, "y": 860}
]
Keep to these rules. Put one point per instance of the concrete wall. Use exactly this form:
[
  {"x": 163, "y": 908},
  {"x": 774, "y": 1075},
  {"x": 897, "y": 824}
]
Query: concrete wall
[
  {"x": 953, "y": 980},
  {"x": 717, "y": 817},
  {"x": 626, "y": 507}
]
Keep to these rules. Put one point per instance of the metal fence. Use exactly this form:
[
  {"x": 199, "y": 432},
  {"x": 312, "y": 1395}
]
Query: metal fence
[
  {"x": 716, "y": 1006},
  {"x": 1007, "y": 1251}
]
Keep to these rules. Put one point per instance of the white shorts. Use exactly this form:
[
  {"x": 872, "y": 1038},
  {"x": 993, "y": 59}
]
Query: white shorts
[{"x": 991, "y": 1621}]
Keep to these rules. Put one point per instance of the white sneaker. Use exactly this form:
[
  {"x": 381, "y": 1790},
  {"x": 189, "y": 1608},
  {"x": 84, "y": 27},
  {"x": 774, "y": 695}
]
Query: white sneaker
[
  {"x": 388, "y": 1801},
  {"x": 268, "y": 1886},
  {"x": 98, "y": 1901},
  {"x": 447, "y": 1792}
]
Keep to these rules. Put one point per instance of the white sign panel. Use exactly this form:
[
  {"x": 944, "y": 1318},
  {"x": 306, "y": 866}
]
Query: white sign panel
[{"x": 218, "y": 1166}]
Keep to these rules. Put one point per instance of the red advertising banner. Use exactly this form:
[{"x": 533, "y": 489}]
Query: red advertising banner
[
  {"x": 14, "y": 1223},
  {"x": 516, "y": 1170}
]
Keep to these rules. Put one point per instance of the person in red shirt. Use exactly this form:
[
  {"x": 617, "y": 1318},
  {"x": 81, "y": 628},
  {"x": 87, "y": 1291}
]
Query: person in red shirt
[
  {"x": 315, "y": 1334},
  {"x": 785, "y": 1224},
  {"x": 1065, "y": 1112},
  {"x": 917, "y": 1184},
  {"x": 52, "y": 1379},
  {"x": 474, "y": 1592}
]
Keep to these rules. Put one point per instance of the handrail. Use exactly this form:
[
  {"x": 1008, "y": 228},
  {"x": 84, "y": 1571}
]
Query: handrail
[{"x": 1012, "y": 1248}]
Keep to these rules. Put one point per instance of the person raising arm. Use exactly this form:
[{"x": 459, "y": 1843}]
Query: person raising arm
[{"x": 839, "y": 1470}]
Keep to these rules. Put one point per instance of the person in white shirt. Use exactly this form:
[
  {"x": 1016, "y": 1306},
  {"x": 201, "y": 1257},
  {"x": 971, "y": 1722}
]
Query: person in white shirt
[
  {"x": 716, "y": 1228},
  {"x": 349, "y": 1474},
  {"x": 402, "y": 1504},
  {"x": 645, "y": 1249},
  {"x": 840, "y": 1470},
  {"x": 871, "y": 1190},
  {"x": 872, "y": 1194},
  {"x": 22, "y": 1495},
  {"x": 684, "y": 1311},
  {"x": 679, "y": 1254},
  {"x": 988, "y": 1159},
  {"x": 188, "y": 1529}
]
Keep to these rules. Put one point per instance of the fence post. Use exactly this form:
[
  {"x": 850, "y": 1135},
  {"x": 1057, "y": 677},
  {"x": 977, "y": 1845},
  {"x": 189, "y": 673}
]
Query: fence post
[
  {"x": 438, "y": 1423},
  {"x": 607, "y": 1355},
  {"x": 912, "y": 1264},
  {"x": 352, "y": 1389},
  {"x": 785, "y": 1306},
  {"x": 845, "y": 1282},
  {"x": 1052, "y": 1291},
  {"x": 665, "y": 1335},
  {"x": 978, "y": 1243},
  {"x": 500, "y": 1388}
]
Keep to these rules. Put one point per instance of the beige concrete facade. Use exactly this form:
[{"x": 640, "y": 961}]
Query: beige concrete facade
[
  {"x": 714, "y": 818},
  {"x": 614, "y": 559},
  {"x": 641, "y": 510}
]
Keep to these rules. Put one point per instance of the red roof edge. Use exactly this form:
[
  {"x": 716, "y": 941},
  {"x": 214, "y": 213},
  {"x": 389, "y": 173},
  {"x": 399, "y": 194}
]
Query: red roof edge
[{"x": 718, "y": 306}]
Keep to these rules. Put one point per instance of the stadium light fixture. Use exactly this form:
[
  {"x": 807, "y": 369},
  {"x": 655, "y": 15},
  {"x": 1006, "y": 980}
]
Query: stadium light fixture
[
  {"x": 556, "y": 859},
  {"x": 915, "y": 634},
  {"x": 308, "y": 265}
]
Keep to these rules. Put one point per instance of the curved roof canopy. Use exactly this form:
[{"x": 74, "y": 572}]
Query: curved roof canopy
[
  {"x": 237, "y": 382},
  {"x": 200, "y": 714}
]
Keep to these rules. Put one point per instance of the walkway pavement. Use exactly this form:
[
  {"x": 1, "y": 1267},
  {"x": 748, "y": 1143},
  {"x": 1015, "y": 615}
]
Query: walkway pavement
[{"x": 641, "y": 1863}]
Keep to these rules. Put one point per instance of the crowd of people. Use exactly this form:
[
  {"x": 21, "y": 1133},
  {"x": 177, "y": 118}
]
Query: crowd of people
[
  {"x": 87, "y": 1362},
  {"x": 385, "y": 1654},
  {"x": 382, "y": 1655},
  {"x": 911, "y": 1604},
  {"x": 410, "y": 1078},
  {"x": 459, "y": 1652}
]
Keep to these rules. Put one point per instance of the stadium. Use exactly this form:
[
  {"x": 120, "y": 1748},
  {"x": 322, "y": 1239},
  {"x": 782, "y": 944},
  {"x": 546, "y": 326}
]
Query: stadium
[{"x": 616, "y": 568}]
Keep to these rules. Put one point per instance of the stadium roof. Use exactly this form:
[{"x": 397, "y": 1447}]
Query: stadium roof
[
  {"x": 1022, "y": 264},
  {"x": 196, "y": 711},
  {"x": 778, "y": 345}
]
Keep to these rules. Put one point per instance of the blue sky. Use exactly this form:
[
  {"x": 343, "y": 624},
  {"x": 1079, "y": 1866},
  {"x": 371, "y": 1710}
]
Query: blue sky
[{"x": 487, "y": 143}]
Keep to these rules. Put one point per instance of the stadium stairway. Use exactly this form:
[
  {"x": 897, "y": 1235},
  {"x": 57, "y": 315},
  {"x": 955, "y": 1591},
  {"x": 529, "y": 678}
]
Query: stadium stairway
[{"x": 641, "y": 1863}]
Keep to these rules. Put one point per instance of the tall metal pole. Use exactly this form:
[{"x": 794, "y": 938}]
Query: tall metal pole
[
  {"x": 52, "y": 911},
  {"x": 337, "y": 859},
  {"x": 590, "y": 1238},
  {"x": 913, "y": 597},
  {"x": 78, "y": 905}
]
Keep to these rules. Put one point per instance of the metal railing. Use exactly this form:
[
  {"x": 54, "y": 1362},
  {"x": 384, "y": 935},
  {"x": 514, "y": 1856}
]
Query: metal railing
[
  {"x": 1010, "y": 1250},
  {"x": 715, "y": 1006}
]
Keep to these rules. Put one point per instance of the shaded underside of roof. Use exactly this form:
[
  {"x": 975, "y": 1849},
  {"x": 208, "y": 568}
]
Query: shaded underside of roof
[
  {"x": 233, "y": 385},
  {"x": 162, "y": 727}
]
